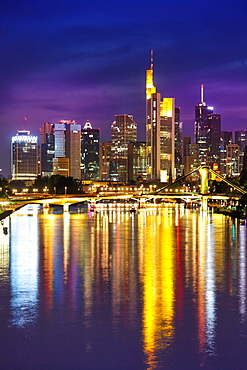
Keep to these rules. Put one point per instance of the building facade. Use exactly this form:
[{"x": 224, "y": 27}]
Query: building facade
[
  {"x": 123, "y": 131},
  {"x": 24, "y": 156},
  {"x": 90, "y": 152}
]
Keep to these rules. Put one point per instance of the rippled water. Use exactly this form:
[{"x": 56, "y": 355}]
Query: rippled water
[{"x": 163, "y": 288}]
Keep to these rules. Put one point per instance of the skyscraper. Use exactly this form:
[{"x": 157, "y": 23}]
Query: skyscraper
[
  {"x": 160, "y": 130},
  {"x": 47, "y": 148},
  {"x": 123, "y": 131},
  {"x": 24, "y": 156},
  {"x": 90, "y": 152},
  {"x": 73, "y": 148},
  {"x": 241, "y": 140},
  {"x": 207, "y": 132}
]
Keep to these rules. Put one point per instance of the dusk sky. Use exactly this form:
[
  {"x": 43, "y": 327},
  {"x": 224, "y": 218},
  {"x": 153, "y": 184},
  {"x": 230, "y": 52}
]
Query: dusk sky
[{"x": 86, "y": 60}]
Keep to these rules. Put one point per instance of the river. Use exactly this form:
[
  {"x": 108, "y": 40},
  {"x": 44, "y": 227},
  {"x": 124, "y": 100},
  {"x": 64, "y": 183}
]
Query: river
[{"x": 161, "y": 288}]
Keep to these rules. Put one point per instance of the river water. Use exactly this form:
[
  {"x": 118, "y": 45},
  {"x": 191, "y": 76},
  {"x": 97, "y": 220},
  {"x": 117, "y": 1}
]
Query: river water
[{"x": 162, "y": 288}]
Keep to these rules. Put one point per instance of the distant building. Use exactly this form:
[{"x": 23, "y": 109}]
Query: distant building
[
  {"x": 232, "y": 160},
  {"x": 73, "y": 148},
  {"x": 68, "y": 145},
  {"x": 24, "y": 156},
  {"x": 226, "y": 139},
  {"x": 160, "y": 130},
  {"x": 47, "y": 148},
  {"x": 90, "y": 152},
  {"x": 207, "y": 133},
  {"x": 241, "y": 140},
  {"x": 105, "y": 160},
  {"x": 179, "y": 168},
  {"x": 137, "y": 161},
  {"x": 61, "y": 166},
  {"x": 123, "y": 131}
]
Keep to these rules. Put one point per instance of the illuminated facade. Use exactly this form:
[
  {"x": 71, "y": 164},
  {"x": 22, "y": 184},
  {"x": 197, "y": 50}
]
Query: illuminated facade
[
  {"x": 123, "y": 131},
  {"x": 232, "y": 160},
  {"x": 73, "y": 148},
  {"x": 137, "y": 161},
  {"x": 226, "y": 139},
  {"x": 90, "y": 152},
  {"x": 179, "y": 167},
  {"x": 241, "y": 140},
  {"x": 61, "y": 166},
  {"x": 24, "y": 156},
  {"x": 68, "y": 145},
  {"x": 160, "y": 130},
  {"x": 207, "y": 132},
  {"x": 105, "y": 160},
  {"x": 47, "y": 148}
]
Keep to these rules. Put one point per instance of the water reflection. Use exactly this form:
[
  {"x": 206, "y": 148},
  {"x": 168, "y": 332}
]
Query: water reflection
[
  {"x": 24, "y": 267},
  {"x": 128, "y": 283}
]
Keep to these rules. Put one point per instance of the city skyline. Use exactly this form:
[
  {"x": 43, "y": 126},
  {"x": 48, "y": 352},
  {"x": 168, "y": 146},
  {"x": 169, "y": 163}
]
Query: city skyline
[{"x": 63, "y": 62}]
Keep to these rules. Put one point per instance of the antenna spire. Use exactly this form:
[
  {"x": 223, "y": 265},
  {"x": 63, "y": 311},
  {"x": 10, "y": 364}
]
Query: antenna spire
[
  {"x": 202, "y": 93},
  {"x": 151, "y": 59}
]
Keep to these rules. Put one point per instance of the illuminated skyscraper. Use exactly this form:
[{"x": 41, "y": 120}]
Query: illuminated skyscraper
[
  {"x": 241, "y": 140},
  {"x": 90, "y": 152},
  {"x": 160, "y": 130},
  {"x": 123, "y": 131},
  {"x": 24, "y": 156},
  {"x": 137, "y": 161},
  {"x": 47, "y": 148},
  {"x": 207, "y": 132},
  {"x": 73, "y": 148},
  {"x": 68, "y": 145}
]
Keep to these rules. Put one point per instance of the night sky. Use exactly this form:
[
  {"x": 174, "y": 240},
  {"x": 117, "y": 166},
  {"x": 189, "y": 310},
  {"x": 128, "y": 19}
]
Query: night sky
[{"x": 86, "y": 60}]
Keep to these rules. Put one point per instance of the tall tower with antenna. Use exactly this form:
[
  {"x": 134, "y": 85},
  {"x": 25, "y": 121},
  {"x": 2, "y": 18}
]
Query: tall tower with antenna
[
  {"x": 160, "y": 130},
  {"x": 207, "y": 132}
]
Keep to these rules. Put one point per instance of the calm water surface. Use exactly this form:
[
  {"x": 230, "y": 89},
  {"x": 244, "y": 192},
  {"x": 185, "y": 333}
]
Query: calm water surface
[{"x": 164, "y": 288}]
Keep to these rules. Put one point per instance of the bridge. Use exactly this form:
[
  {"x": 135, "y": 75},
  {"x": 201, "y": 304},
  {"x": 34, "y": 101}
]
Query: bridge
[{"x": 164, "y": 193}]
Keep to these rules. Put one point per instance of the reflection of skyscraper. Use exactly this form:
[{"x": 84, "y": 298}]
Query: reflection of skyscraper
[
  {"x": 160, "y": 130},
  {"x": 24, "y": 156},
  {"x": 123, "y": 131},
  {"x": 90, "y": 152},
  {"x": 207, "y": 132}
]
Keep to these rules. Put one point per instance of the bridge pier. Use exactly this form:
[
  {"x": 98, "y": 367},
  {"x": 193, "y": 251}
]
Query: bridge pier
[
  {"x": 66, "y": 207},
  {"x": 204, "y": 203},
  {"x": 204, "y": 179}
]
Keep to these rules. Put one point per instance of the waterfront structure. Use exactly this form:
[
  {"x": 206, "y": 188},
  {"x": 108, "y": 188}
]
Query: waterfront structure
[
  {"x": 90, "y": 152},
  {"x": 241, "y": 140},
  {"x": 24, "y": 156},
  {"x": 105, "y": 160},
  {"x": 123, "y": 131},
  {"x": 160, "y": 130},
  {"x": 47, "y": 148},
  {"x": 232, "y": 160},
  {"x": 137, "y": 161},
  {"x": 207, "y": 132}
]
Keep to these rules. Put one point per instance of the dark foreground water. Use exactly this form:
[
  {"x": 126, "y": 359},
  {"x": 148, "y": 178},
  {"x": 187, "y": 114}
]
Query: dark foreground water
[{"x": 159, "y": 289}]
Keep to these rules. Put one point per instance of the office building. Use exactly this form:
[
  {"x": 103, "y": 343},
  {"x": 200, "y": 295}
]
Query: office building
[
  {"x": 73, "y": 148},
  {"x": 137, "y": 161},
  {"x": 207, "y": 133},
  {"x": 160, "y": 131},
  {"x": 241, "y": 140},
  {"x": 232, "y": 160},
  {"x": 90, "y": 152},
  {"x": 105, "y": 160},
  {"x": 179, "y": 167},
  {"x": 47, "y": 148},
  {"x": 24, "y": 156},
  {"x": 61, "y": 166},
  {"x": 123, "y": 131},
  {"x": 68, "y": 145},
  {"x": 225, "y": 139}
]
